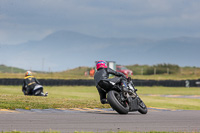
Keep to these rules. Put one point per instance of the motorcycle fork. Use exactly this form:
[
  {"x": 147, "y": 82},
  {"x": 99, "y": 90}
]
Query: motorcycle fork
[{"x": 123, "y": 98}]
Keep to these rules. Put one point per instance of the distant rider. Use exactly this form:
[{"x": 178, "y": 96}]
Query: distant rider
[
  {"x": 101, "y": 76},
  {"x": 29, "y": 83}
]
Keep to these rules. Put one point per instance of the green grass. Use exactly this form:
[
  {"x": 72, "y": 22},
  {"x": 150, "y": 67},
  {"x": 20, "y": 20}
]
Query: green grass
[
  {"x": 11, "y": 97},
  {"x": 170, "y": 103},
  {"x": 169, "y": 90}
]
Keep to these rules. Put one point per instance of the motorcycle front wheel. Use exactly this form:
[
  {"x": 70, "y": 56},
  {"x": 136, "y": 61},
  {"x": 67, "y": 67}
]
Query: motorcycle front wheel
[
  {"x": 142, "y": 107},
  {"x": 114, "y": 99}
]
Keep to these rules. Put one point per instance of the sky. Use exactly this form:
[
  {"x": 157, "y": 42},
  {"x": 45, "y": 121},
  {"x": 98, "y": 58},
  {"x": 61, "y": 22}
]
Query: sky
[{"x": 25, "y": 20}]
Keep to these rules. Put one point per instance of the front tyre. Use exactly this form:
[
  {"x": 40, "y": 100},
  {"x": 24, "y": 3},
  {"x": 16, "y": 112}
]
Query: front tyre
[
  {"x": 114, "y": 99},
  {"x": 142, "y": 107}
]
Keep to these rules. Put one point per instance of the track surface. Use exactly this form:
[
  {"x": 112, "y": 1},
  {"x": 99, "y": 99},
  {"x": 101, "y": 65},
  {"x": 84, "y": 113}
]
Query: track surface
[{"x": 98, "y": 120}]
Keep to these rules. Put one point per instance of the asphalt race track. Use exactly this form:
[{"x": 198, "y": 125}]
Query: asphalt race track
[{"x": 98, "y": 120}]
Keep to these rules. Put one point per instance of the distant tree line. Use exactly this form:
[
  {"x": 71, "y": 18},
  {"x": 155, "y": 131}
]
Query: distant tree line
[
  {"x": 155, "y": 69},
  {"x": 163, "y": 69}
]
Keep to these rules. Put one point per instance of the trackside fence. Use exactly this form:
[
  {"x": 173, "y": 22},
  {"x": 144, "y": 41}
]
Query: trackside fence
[{"x": 83, "y": 82}]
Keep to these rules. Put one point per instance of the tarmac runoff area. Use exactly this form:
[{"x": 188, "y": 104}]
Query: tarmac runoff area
[{"x": 99, "y": 120}]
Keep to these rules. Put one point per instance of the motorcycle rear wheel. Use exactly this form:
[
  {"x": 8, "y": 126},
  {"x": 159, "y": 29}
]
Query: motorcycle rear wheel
[
  {"x": 142, "y": 107},
  {"x": 114, "y": 99}
]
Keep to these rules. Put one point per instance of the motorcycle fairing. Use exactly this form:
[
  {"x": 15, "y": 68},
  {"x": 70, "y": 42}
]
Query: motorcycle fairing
[{"x": 133, "y": 104}]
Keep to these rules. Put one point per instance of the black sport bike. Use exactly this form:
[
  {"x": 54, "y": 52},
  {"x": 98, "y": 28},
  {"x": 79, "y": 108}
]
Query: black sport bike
[
  {"x": 125, "y": 100},
  {"x": 37, "y": 91}
]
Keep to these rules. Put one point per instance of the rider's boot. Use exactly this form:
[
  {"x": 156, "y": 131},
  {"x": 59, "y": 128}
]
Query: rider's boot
[
  {"x": 42, "y": 94},
  {"x": 104, "y": 101},
  {"x": 46, "y": 94}
]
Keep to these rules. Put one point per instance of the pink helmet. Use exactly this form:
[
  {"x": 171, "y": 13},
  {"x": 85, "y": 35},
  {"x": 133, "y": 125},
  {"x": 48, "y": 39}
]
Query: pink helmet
[{"x": 101, "y": 64}]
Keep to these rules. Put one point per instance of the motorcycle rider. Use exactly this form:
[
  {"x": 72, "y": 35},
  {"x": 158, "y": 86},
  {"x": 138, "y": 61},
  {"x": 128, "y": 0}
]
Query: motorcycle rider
[
  {"x": 29, "y": 83},
  {"x": 101, "y": 79}
]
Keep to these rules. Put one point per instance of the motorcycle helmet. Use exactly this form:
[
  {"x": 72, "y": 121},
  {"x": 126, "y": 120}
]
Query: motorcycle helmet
[
  {"x": 101, "y": 64},
  {"x": 28, "y": 73}
]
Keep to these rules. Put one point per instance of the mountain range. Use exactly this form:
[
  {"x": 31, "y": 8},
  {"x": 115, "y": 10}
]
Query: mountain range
[{"x": 63, "y": 50}]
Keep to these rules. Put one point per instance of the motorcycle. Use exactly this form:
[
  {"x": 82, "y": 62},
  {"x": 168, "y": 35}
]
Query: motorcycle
[
  {"x": 38, "y": 91},
  {"x": 125, "y": 100}
]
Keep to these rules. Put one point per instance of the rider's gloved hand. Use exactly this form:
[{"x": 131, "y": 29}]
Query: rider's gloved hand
[{"x": 129, "y": 79}]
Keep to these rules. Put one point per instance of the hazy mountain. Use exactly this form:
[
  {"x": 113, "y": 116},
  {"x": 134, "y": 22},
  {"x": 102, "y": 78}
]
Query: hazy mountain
[
  {"x": 182, "y": 51},
  {"x": 7, "y": 69},
  {"x": 65, "y": 49}
]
